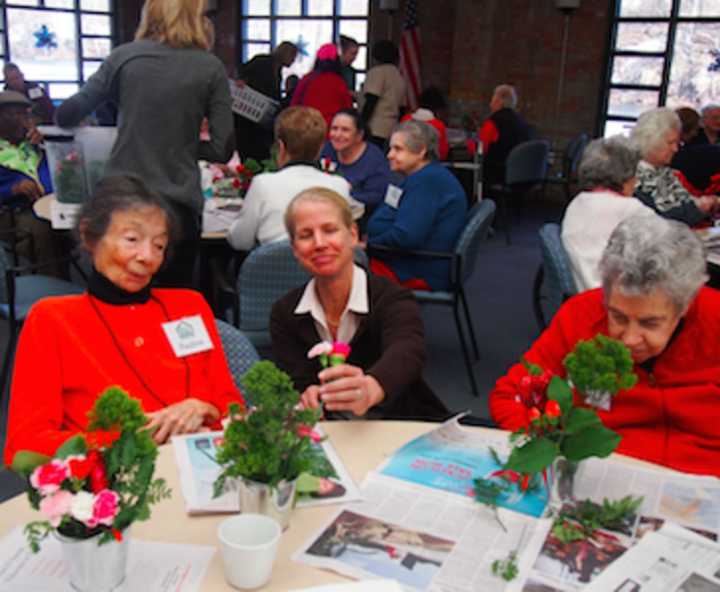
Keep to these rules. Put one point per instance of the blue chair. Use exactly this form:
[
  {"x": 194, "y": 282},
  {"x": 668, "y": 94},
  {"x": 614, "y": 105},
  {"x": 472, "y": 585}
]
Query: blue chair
[
  {"x": 239, "y": 352},
  {"x": 570, "y": 161},
  {"x": 554, "y": 282},
  {"x": 463, "y": 259}
]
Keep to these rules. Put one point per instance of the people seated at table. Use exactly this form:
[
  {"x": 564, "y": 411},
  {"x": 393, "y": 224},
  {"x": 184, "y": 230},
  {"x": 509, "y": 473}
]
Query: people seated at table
[
  {"x": 699, "y": 164},
  {"x": 164, "y": 83},
  {"x": 431, "y": 102},
  {"x": 426, "y": 211},
  {"x": 363, "y": 164},
  {"x": 299, "y": 135},
  {"x": 384, "y": 91},
  {"x": 709, "y": 132},
  {"x": 500, "y": 133},
  {"x": 42, "y": 107},
  {"x": 262, "y": 73},
  {"x": 24, "y": 178},
  {"x": 607, "y": 177},
  {"x": 382, "y": 377},
  {"x": 653, "y": 300},
  {"x": 656, "y": 134},
  {"x": 122, "y": 331},
  {"x": 324, "y": 88}
]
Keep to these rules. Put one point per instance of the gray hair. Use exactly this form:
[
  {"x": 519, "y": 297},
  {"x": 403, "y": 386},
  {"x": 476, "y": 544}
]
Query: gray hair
[
  {"x": 418, "y": 136},
  {"x": 707, "y": 108},
  {"x": 507, "y": 95},
  {"x": 652, "y": 127},
  {"x": 646, "y": 252},
  {"x": 608, "y": 162}
]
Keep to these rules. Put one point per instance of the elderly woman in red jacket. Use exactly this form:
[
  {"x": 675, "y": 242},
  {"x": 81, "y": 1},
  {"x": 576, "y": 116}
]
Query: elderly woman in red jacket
[{"x": 653, "y": 300}]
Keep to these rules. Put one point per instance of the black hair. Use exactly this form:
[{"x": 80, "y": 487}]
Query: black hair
[
  {"x": 118, "y": 194},
  {"x": 334, "y": 65},
  {"x": 354, "y": 114},
  {"x": 386, "y": 52},
  {"x": 347, "y": 43},
  {"x": 433, "y": 99}
]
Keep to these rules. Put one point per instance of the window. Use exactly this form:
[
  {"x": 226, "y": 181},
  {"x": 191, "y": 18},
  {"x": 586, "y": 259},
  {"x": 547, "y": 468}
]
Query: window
[
  {"x": 662, "y": 52},
  {"x": 57, "y": 43},
  {"x": 306, "y": 23}
]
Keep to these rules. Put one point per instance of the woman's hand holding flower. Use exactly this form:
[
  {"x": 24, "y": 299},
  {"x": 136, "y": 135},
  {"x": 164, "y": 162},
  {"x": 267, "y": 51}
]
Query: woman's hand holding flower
[{"x": 348, "y": 388}]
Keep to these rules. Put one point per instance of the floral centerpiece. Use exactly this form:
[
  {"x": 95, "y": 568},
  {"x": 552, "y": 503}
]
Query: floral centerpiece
[
  {"x": 267, "y": 448},
  {"x": 559, "y": 433},
  {"x": 233, "y": 180},
  {"x": 96, "y": 485},
  {"x": 69, "y": 175}
]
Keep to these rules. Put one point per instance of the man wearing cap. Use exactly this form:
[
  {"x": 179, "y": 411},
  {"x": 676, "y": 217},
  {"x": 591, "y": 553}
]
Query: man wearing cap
[{"x": 24, "y": 175}]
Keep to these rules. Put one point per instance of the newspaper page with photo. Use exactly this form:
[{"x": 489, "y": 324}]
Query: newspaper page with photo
[
  {"x": 668, "y": 497},
  {"x": 195, "y": 456},
  {"x": 673, "y": 559},
  {"x": 451, "y": 457},
  {"x": 422, "y": 538}
]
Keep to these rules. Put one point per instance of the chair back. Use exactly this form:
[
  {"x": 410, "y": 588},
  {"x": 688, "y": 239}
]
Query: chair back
[
  {"x": 480, "y": 218},
  {"x": 268, "y": 273},
  {"x": 558, "y": 281},
  {"x": 239, "y": 352},
  {"x": 573, "y": 154},
  {"x": 527, "y": 163}
]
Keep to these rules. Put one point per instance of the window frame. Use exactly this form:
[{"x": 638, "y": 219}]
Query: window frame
[
  {"x": 79, "y": 36},
  {"x": 673, "y": 20}
]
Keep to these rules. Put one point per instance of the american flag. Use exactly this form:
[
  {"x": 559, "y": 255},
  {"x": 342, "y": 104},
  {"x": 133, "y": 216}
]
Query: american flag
[{"x": 410, "y": 54}]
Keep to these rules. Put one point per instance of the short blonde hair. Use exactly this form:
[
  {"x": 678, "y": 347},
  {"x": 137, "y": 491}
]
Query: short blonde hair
[
  {"x": 177, "y": 23},
  {"x": 302, "y": 130},
  {"x": 323, "y": 195}
]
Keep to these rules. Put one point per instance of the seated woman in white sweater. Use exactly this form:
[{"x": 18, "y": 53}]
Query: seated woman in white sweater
[{"x": 607, "y": 176}]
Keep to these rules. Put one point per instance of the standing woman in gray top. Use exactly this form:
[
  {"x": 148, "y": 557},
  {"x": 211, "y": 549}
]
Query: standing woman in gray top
[{"x": 164, "y": 83}]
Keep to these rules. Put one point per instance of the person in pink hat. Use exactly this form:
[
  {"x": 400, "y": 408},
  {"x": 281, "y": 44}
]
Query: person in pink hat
[{"x": 324, "y": 88}]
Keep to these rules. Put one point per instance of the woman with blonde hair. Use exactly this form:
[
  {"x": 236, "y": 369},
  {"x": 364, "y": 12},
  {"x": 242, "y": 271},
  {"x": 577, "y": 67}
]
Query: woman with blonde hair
[
  {"x": 164, "y": 83},
  {"x": 382, "y": 376}
]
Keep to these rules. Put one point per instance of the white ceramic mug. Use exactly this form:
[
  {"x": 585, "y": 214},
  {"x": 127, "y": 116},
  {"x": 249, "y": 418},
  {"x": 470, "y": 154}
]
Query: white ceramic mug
[{"x": 248, "y": 543}]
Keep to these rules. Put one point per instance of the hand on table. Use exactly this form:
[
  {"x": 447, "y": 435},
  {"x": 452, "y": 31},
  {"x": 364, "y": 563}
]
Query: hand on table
[
  {"x": 344, "y": 388},
  {"x": 185, "y": 417},
  {"x": 28, "y": 188}
]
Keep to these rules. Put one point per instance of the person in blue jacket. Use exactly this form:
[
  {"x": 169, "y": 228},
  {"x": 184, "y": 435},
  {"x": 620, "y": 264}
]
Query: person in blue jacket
[
  {"x": 24, "y": 177},
  {"x": 427, "y": 211}
]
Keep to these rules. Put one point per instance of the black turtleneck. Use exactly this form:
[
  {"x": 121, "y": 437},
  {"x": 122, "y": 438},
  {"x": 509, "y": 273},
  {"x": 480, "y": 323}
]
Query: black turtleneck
[{"x": 103, "y": 289}]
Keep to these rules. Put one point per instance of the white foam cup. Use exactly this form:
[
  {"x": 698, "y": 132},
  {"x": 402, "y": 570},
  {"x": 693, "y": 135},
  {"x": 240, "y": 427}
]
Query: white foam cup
[{"x": 249, "y": 544}]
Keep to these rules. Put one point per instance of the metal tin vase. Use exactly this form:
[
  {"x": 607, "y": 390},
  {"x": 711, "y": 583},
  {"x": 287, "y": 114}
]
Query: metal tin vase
[
  {"x": 275, "y": 502},
  {"x": 93, "y": 567}
]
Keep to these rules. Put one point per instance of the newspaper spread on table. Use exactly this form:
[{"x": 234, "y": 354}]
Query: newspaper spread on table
[
  {"x": 418, "y": 523},
  {"x": 198, "y": 469},
  {"x": 152, "y": 567}
]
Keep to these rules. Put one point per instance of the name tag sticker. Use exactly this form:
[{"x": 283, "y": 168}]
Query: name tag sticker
[
  {"x": 393, "y": 195},
  {"x": 35, "y": 93},
  {"x": 188, "y": 336}
]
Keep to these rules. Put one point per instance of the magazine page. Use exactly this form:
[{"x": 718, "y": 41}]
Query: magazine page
[
  {"x": 198, "y": 469},
  {"x": 451, "y": 457},
  {"x": 662, "y": 562},
  {"x": 422, "y": 538}
]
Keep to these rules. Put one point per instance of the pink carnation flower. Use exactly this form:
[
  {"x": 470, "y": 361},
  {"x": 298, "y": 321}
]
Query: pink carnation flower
[
  {"x": 105, "y": 508},
  {"x": 55, "y": 506},
  {"x": 341, "y": 349},
  {"x": 320, "y": 349},
  {"x": 304, "y": 430},
  {"x": 47, "y": 478}
]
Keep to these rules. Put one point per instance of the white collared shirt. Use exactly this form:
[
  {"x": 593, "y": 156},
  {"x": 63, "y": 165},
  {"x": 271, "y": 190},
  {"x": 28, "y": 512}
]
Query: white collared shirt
[{"x": 357, "y": 305}]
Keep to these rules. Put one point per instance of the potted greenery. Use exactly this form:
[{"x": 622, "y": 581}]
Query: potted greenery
[
  {"x": 266, "y": 449},
  {"x": 93, "y": 488},
  {"x": 560, "y": 433}
]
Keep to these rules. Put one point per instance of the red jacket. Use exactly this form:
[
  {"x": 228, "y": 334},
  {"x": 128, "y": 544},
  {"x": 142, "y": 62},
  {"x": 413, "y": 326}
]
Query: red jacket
[
  {"x": 672, "y": 416},
  {"x": 66, "y": 358},
  {"x": 325, "y": 91}
]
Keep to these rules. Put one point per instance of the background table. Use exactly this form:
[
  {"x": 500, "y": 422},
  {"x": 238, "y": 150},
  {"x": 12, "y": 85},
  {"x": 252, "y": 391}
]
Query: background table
[{"x": 362, "y": 445}]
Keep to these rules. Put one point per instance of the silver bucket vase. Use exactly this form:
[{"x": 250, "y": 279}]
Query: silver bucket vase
[
  {"x": 93, "y": 567},
  {"x": 561, "y": 484},
  {"x": 275, "y": 502}
]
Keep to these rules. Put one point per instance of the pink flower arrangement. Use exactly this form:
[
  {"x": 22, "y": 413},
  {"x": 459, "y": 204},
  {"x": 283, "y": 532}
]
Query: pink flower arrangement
[
  {"x": 48, "y": 478},
  {"x": 330, "y": 354}
]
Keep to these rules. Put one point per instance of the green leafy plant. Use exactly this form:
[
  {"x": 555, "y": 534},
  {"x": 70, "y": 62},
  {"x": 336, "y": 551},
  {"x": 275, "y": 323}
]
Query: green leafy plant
[
  {"x": 507, "y": 568},
  {"x": 273, "y": 441},
  {"x": 556, "y": 426},
  {"x": 97, "y": 483},
  {"x": 580, "y": 520}
]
